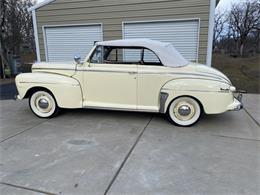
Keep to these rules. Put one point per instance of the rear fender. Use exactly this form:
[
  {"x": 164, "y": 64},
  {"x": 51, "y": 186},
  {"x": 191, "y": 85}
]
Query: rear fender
[{"x": 206, "y": 92}]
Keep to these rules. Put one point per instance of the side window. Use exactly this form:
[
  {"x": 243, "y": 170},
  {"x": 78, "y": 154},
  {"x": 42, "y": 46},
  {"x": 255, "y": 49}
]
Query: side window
[
  {"x": 112, "y": 54},
  {"x": 133, "y": 55},
  {"x": 122, "y": 55},
  {"x": 97, "y": 56},
  {"x": 150, "y": 58}
]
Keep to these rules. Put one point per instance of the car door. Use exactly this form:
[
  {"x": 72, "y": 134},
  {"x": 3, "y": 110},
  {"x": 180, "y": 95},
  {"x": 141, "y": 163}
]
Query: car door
[
  {"x": 110, "y": 82},
  {"x": 152, "y": 75}
]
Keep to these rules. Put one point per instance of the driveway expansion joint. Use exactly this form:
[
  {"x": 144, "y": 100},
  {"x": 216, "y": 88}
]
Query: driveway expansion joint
[
  {"x": 127, "y": 157},
  {"x": 251, "y": 117},
  {"x": 239, "y": 138},
  {"x": 23, "y": 131},
  {"x": 26, "y": 188}
]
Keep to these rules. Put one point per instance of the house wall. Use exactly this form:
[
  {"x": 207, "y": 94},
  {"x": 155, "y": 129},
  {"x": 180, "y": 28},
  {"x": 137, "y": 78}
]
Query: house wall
[{"x": 111, "y": 13}]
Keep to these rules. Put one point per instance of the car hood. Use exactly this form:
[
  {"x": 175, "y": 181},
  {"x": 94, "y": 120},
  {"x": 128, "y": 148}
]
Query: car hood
[{"x": 63, "y": 68}]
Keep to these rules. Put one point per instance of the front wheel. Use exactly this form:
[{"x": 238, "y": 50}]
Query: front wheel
[
  {"x": 184, "y": 111},
  {"x": 43, "y": 104}
]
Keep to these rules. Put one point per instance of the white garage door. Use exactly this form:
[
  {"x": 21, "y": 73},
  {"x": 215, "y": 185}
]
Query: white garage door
[
  {"x": 62, "y": 43},
  {"x": 182, "y": 34}
]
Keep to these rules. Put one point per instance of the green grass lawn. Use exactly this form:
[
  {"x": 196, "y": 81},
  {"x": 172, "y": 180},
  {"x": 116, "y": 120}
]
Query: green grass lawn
[{"x": 243, "y": 72}]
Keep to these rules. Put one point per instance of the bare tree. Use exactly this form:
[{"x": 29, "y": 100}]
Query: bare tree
[
  {"x": 16, "y": 27},
  {"x": 17, "y": 24},
  {"x": 244, "y": 18},
  {"x": 2, "y": 49},
  {"x": 27, "y": 28},
  {"x": 256, "y": 35},
  {"x": 219, "y": 22}
]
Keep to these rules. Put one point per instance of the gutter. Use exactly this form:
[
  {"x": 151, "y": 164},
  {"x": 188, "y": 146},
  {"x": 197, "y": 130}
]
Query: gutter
[
  {"x": 36, "y": 38},
  {"x": 38, "y": 5},
  {"x": 35, "y": 30}
]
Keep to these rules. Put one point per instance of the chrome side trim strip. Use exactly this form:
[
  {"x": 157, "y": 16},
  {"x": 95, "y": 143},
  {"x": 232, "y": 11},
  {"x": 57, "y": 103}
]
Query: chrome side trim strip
[
  {"x": 201, "y": 79},
  {"x": 217, "y": 75},
  {"x": 199, "y": 90},
  {"x": 173, "y": 73},
  {"x": 134, "y": 72},
  {"x": 89, "y": 70},
  {"x": 111, "y": 71},
  {"x": 36, "y": 82},
  {"x": 48, "y": 83},
  {"x": 53, "y": 69},
  {"x": 180, "y": 73}
]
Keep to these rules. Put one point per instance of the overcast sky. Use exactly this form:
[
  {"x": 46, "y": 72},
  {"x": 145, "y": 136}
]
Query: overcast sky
[
  {"x": 38, "y": 1},
  {"x": 225, "y": 5}
]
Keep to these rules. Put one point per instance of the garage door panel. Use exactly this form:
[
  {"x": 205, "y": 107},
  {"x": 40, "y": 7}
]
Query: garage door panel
[
  {"x": 182, "y": 34},
  {"x": 63, "y": 42}
]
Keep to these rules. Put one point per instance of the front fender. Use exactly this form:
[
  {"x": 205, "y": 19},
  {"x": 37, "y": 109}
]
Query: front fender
[
  {"x": 66, "y": 90},
  {"x": 207, "y": 92}
]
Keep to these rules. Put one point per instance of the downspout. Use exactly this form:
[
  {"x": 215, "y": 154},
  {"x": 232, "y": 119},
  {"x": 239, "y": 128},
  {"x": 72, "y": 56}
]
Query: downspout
[
  {"x": 36, "y": 38},
  {"x": 210, "y": 31}
]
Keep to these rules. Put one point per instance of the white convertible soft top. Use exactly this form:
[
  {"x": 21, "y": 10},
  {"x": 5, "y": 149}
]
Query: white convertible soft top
[{"x": 168, "y": 55}]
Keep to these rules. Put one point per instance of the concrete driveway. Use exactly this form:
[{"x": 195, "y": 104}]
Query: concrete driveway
[{"x": 105, "y": 152}]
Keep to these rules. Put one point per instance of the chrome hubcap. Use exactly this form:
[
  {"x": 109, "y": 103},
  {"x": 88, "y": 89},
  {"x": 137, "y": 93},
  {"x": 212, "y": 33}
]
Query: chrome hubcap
[
  {"x": 43, "y": 103},
  {"x": 184, "y": 110}
]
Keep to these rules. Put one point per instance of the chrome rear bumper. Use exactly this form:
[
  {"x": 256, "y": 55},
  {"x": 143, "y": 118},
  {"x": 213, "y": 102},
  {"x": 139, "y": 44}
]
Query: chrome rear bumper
[
  {"x": 239, "y": 95},
  {"x": 237, "y": 104}
]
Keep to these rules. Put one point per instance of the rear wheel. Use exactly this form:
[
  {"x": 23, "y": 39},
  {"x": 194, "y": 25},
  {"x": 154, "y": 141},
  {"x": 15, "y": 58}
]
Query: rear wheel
[
  {"x": 184, "y": 111},
  {"x": 43, "y": 104}
]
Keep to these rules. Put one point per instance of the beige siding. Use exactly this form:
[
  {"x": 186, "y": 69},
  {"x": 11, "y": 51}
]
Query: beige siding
[{"x": 111, "y": 13}]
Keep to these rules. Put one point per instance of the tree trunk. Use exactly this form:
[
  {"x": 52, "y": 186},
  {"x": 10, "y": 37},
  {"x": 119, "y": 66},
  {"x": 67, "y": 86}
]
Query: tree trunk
[
  {"x": 241, "y": 50},
  {"x": 2, "y": 71},
  {"x": 236, "y": 47}
]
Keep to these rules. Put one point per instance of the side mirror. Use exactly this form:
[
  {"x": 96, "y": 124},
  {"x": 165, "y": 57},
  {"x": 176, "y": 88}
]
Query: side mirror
[{"x": 77, "y": 59}]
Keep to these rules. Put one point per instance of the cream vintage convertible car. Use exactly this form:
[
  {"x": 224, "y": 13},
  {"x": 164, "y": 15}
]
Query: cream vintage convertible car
[{"x": 134, "y": 75}]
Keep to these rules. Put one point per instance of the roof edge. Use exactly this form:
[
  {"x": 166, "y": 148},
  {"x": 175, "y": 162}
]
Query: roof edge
[
  {"x": 217, "y": 2},
  {"x": 38, "y": 5}
]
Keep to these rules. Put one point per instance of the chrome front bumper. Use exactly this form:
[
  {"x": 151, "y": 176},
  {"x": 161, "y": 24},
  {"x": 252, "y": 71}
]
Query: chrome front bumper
[{"x": 17, "y": 97}]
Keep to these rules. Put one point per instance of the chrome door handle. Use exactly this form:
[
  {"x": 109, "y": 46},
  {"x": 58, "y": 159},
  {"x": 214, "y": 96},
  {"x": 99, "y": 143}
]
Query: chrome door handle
[{"x": 132, "y": 72}]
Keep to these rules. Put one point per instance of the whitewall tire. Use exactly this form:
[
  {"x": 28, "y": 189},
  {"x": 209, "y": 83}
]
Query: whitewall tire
[
  {"x": 184, "y": 111},
  {"x": 43, "y": 104}
]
